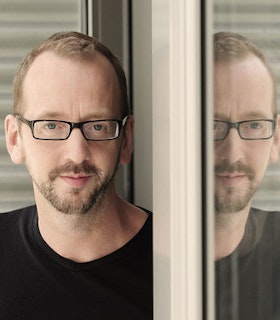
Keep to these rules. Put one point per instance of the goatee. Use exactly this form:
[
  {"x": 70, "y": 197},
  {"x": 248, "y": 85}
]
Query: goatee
[
  {"x": 227, "y": 200},
  {"x": 73, "y": 201}
]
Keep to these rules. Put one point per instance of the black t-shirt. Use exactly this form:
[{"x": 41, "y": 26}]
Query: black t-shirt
[
  {"x": 38, "y": 284},
  {"x": 248, "y": 281}
]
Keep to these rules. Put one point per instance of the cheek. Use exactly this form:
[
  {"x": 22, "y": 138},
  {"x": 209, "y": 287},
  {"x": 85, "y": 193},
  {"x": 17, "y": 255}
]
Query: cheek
[
  {"x": 107, "y": 158},
  {"x": 38, "y": 160},
  {"x": 41, "y": 159},
  {"x": 274, "y": 153},
  {"x": 218, "y": 153},
  {"x": 35, "y": 165},
  {"x": 259, "y": 160}
]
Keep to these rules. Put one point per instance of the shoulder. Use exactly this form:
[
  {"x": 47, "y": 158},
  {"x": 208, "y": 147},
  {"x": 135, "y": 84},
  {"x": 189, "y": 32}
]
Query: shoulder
[
  {"x": 17, "y": 215},
  {"x": 144, "y": 231},
  {"x": 147, "y": 224},
  {"x": 148, "y": 212},
  {"x": 134, "y": 217},
  {"x": 267, "y": 224},
  {"x": 264, "y": 217},
  {"x": 15, "y": 227},
  {"x": 24, "y": 210}
]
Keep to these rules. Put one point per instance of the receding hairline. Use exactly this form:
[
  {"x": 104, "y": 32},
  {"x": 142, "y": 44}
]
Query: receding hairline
[
  {"x": 230, "y": 46},
  {"x": 76, "y": 47}
]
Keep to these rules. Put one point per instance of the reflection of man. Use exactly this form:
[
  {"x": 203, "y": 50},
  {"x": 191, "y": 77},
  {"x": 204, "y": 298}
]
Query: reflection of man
[
  {"x": 81, "y": 252},
  {"x": 246, "y": 133}
]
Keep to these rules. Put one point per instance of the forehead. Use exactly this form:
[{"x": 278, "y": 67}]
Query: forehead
[
  {"x": 54, "y": 81},
  {"x": 242, "y": 87},
  {"x": 55, "y": 68}
]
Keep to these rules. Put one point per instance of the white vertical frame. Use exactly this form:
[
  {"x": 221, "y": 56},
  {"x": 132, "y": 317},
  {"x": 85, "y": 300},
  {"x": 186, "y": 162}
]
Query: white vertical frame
[{"x": 177, "y": 159}]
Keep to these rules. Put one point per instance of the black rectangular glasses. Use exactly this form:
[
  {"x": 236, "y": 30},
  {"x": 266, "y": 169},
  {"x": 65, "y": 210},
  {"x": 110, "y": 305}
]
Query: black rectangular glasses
[
  {"x": 260, "y": 129},
  {"x": 96, "y": 130}
]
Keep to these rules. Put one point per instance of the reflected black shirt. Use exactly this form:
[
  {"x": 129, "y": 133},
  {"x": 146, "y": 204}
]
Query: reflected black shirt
[{"x": 248, "y": 281}]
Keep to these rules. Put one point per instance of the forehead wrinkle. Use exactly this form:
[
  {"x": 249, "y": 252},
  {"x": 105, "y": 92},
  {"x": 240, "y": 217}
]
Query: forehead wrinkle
[
  {"x": 97, "y": 96},
  {"x": 243, "y": 85},
  {"x": 254, "y": 115},
  {"x": 53, "y": 115}
]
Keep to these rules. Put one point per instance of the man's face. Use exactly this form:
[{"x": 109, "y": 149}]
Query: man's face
[
  {"x": 74, "y": 174},
  {"x": 243, "y": 90}
]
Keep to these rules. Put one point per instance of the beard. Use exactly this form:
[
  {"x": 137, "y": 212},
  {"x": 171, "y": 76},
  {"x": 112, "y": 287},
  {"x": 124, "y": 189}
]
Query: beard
[
  {"x": 232, "y": 199},
  {"x": 76, "y": 201}
]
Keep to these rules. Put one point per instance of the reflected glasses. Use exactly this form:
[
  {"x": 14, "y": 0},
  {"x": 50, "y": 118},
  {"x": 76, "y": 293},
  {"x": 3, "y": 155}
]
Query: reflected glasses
[
  {"x": 248, "y": 130},
  {"x": 97, "y": 130}
]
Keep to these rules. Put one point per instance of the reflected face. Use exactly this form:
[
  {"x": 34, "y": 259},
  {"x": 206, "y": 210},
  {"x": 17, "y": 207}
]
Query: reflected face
[
  {"x": 243, "y": 90},
  {"x": 72, "y": 175}
]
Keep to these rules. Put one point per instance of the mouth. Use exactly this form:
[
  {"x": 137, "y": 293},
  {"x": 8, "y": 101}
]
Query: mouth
[
  {"x": 75, "y": 181},
  {"x": 231, "y": 179}
]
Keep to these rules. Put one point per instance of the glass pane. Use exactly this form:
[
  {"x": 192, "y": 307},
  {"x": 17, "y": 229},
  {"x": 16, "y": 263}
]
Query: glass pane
[{"x": 247, "y": 172}]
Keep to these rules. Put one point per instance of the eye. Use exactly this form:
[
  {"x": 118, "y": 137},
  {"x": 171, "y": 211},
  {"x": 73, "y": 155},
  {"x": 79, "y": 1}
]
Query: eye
[
  {"x": 255, "y": 125},
  {"x": 217, "y": 125},
  {"x": 50, "y": 125},
  {"x": 98, "y": 127}
]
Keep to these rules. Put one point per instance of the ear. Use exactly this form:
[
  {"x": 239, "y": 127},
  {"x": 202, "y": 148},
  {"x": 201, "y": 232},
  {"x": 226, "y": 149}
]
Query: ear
[
  {"x": 13, "y": 139},
  {"x": 127, "y": 141},
  {"x": 274, "y": 152}
]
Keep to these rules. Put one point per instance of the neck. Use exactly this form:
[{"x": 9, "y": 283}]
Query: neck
[
  {"x": 90, "y": 236},
  {"x": 229, "y": 231}
]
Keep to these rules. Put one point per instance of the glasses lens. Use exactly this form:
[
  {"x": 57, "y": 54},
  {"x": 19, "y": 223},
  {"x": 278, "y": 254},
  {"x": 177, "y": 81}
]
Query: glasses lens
[
  {"x": 256, "y": 129},
  {"x": 220, "y": 130},
  {"x": 101, "y": 130},
  {"x": 51, "y": 130}
]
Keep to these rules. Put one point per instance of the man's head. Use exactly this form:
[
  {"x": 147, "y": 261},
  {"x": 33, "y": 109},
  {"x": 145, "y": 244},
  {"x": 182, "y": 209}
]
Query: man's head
[
  {"x": 70, "y": 126},
  {"x": 245, "y": 127}
]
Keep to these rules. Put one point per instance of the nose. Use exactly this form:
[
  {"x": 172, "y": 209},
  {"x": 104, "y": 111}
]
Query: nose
[
  {"x": 77, "y": 148},
  {"x": 231, "y": 148}
]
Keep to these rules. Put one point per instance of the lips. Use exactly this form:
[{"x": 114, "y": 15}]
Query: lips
[
  {"x": 74, "y": 171},
  {"x": 231, "y": 179},
  {"x": 231, "y": 174},
  {"x": 76, "y": 181}
]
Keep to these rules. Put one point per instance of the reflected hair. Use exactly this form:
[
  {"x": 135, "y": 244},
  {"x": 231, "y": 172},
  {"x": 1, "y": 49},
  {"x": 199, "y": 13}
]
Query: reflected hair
[
  {"x": 77, "y": 47},
  {"x": 230, "y": 46}
]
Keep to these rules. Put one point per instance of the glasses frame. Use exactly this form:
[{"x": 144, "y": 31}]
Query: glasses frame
[
  {"x": 72, "y": 125},
  {"x": 236, "y": 125}
]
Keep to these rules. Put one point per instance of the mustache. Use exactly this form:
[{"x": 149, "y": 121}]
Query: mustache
[
  {"x": 237, "y": 167},
  {"x": 71, "y": 167}
]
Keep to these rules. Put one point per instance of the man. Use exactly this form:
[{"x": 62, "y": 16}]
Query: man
[
  {"x": 246, "y": 134},
  {"x": 82, "y": 252}
]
